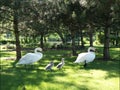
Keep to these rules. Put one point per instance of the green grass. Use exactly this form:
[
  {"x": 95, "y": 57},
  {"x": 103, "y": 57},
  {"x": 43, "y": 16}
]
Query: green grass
[{"x": 99, "y": 75}]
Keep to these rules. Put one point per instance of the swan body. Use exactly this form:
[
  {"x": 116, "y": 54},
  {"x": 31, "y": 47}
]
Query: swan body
[
  {"x": 49, "y": 66},
  {"x": 86, "y": 57},
  {"x": 30, "y": 58},
  {"x": 61, "y": 64}
]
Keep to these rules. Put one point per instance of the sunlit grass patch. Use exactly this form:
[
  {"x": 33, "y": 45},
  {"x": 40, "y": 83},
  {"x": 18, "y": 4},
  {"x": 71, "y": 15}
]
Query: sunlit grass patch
[{"x": 98, "y": 75}]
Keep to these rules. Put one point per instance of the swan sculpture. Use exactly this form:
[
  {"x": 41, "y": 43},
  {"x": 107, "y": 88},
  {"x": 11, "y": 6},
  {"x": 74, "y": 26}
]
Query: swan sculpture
[
  {"x": 61, "y": 64},
  {"x": 30, "y": 58},
  {"x": 86, "y": 57}
]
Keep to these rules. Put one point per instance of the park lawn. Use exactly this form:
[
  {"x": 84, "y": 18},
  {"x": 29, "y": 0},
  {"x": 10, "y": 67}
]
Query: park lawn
[{"x": 99, "y": 75}]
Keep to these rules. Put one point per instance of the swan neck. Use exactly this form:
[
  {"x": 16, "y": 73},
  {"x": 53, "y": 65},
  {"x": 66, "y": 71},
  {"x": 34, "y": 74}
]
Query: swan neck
[{"x": 36, "y": 50}]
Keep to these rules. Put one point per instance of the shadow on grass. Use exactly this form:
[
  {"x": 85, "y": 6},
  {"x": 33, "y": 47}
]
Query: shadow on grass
[
  {"x": 111, "y": 67},
  {"x": 17, "y": 77}
]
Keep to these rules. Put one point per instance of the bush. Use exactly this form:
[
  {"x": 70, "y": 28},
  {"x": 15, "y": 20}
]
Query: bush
[{"x": 3, "y": 42}]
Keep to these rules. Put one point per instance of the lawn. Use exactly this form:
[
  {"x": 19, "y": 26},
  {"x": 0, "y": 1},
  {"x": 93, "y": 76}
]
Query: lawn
[{"x": 99, "y": 75}]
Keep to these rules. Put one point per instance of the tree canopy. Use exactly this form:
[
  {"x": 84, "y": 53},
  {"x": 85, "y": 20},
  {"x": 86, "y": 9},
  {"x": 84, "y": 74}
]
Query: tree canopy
[{"x": 73, "y": 18}]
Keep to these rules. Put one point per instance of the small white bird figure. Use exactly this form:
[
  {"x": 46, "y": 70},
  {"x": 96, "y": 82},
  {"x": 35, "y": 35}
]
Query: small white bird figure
[
  {"x": 86, "y": 57},
  {"x": 30, "y": 58},
  {"x": 61, "y": 64},
  {"x": 49, "y": 66}
]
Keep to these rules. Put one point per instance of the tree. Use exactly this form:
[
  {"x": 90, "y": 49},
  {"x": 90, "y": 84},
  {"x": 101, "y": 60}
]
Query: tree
[
  {"x": 71, "y": 17},
  {"x": 11, "y": 8},
  {"x": 102, "y": 17},
  {"x": 15, "y": 27},
  {"x": 106, "y": 22}
]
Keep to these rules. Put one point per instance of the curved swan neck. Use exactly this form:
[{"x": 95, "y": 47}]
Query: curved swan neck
[
  {"x": 91, "y": 49},
  {"x": 37, "y": 49}
]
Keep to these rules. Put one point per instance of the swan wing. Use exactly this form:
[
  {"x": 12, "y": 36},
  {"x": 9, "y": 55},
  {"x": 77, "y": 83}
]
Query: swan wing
[
  {"x": 88, "y": 57},
  {"x": 40, "y": 55},
  {"x": 59, "y": 65},
  {"x": 49, "y": 66},
  {"x": 30, "y": 58},
  {"x": 80, "y": 58}
]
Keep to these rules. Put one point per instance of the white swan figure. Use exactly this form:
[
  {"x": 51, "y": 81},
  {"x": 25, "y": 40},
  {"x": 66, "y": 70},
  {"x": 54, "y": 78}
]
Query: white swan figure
[
  {"x": 86, "y": 57},
  {"x": 30, "y": 58}
]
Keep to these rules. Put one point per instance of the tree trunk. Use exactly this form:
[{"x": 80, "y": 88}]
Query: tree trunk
[
  {"x": 41, "y": 41},
  {"x": 73, "y": 43},
  {"x": 61, "y": 36},
  {"x": 16, "y": 32},
  {"x": 117, "y": 39},
  {"x": 78, "y": 39},
  {"x": 106, "y": 54},
  {"x": 91, "y": 35},
  {"x": 82, "y": 42}
]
